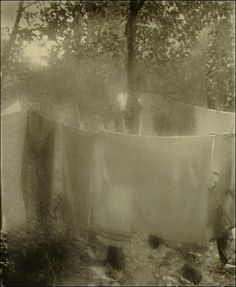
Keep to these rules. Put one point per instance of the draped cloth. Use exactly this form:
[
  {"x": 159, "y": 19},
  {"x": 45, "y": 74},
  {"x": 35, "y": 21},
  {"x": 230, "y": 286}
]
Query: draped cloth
[
  {"x": 63, "y": 115},
  {"x": 211, "y": 121},
  {"x": 221, "y": 210},
  {"x": 112, "y": 201},
  {"x": 156, "y": 183},
  {"x": 37, "y": 167},
  {"x": 13, "y": 207},
  {"x": 173, "y": 118},
  {"x": 112, "y": 220},
  {"x": 59, "y": 207},
  {"x": 222, "y": 195},
  {"x": 77, "y": 166},
  {"x": 226, "y": 122}
]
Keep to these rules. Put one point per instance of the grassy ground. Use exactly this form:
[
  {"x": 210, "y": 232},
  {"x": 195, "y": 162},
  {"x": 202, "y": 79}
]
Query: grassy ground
[
  {"x": 146, "y": 266},
  {"x": 64, "y": 260}
]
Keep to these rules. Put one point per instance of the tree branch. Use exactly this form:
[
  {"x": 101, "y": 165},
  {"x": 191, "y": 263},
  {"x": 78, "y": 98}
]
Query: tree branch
[
  {"x": 139, "y": 5},
  {"x": 14, "y": 31},
  {"x": 26, "y": 76},
  {"x": 27, "y": 6}
]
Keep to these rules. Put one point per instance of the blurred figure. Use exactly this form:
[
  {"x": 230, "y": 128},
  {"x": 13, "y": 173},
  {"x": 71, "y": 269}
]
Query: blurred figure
[
  {"x": 38, "y": 166},
  {"x": 146, "y": 125}
]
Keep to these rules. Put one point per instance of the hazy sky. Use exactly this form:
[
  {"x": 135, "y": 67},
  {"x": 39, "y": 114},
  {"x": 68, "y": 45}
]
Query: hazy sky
[
  {"x": 35, "y": 52},
  {"x": 8, "y": 13}
]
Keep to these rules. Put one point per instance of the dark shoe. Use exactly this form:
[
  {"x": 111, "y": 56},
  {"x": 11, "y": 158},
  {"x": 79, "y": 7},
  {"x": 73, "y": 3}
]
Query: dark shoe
[
  {"x": 192, "y": 274},
  {"x": 154, "y": 241},
  {"x": 115, "y": 258}
]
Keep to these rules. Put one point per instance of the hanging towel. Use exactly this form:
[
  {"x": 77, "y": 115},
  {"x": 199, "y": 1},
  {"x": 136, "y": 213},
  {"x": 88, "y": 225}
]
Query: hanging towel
[
  {"x": 212, "y": 121},
  {"x": 165, "y": 181},
  {"x": 226, "y": 122},
  {"x": 77, "y": 165},
  {"x": 206, "y": 121},
  {"x": 222, "y": 194},
  {"x": 165, "y": 117},
  {"x": 173, "y": 119},
  {"x": 37, "y": 167},
  {"x": 59, "y": 207},
  {"x": 13, "y": 207},
  {"x": 112, "y": 202}
]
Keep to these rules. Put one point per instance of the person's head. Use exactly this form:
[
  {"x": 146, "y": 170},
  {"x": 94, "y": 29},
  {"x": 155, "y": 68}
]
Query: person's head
[{"x": 146, "y": 101}]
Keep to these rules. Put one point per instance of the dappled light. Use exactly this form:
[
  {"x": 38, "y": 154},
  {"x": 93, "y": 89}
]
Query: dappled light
[
  {"x": 118, "y": 143},
  {"x": 38, "y": 53}
]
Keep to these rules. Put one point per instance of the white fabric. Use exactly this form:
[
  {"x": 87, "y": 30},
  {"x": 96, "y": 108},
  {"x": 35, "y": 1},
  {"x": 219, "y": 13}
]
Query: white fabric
[
  {"x": 212, "y": 121},
  {"x": 13, "y": 133}
]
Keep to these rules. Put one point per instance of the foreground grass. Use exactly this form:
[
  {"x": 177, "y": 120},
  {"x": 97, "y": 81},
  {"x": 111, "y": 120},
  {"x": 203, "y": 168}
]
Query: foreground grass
[{"x": 59, "y": 258}]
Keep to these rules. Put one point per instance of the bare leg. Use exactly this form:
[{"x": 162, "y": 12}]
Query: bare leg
[
  {"x": 222, "y": 243},
  {"x": 115, "y": 257}
]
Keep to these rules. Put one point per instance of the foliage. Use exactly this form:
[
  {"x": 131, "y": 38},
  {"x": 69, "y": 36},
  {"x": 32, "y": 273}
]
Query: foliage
[
  {"x": 165, "y": 30},
  {"x": 4, "y": 254},
  {"x": 168, "y": 29},
  {"x": 90, "y": 83},
  {"x": 205, "y": 76},
  {"x": 40, "y": 259},
  {"x": 220, "y": 66},
  {"x": 94, "y": 33}
]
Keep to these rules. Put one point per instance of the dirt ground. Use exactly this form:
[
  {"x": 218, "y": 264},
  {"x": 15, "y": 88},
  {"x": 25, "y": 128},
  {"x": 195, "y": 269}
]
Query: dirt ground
[{"x": 147, "y": 266}]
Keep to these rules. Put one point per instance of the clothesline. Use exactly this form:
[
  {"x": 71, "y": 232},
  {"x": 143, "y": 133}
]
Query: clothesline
[
  {"x": 223, "y": 134},
  {"x": 196, "y": 106},
  {"x": 135, "y": 152},
  {"x": 156, "y": 136},
  {"x": 35, "y": 106}
]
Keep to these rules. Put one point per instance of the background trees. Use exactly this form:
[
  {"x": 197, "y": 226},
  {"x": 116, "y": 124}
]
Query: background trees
[{"x": 181, "y": 49}]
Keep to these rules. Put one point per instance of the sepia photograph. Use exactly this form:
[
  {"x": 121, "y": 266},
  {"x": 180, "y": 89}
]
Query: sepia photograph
[{"x": 117, "y": 143}]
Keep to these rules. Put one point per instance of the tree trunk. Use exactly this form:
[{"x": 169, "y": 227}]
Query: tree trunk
[
  {"x": 132, "y": 113},
  {"x": 115, "y": 256}
]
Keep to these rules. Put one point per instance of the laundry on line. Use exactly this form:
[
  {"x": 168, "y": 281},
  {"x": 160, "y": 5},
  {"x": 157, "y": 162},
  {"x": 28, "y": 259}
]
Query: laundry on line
[{"x": 164, "y": 184}]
